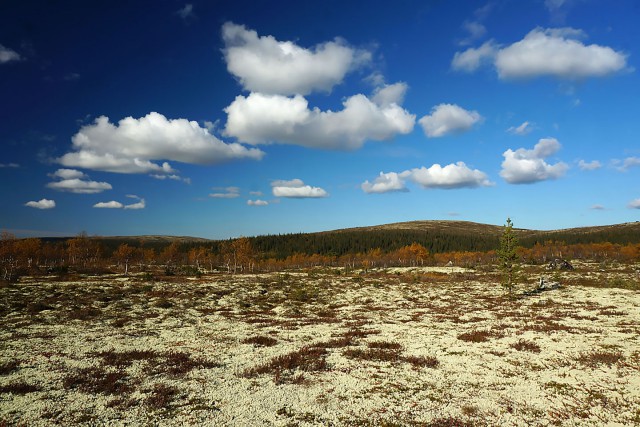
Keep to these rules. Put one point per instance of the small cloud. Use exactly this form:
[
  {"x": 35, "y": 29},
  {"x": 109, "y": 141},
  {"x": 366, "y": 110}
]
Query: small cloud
[
  {"x": 186, "y": 12},
  {"x": 117, "y": 205},
  {"x": 476, "y": 31},
  {"x": 212, "y": 127},
  {"x": 257, "y": 202},
  {"x": 528, "y": 166},
  {"x": 225, "y": 193},
  {"x": 627, "y": 163},
  {"x": 451, "y": 176},
  {"x": 553, "y": 52},
  {"x": 524, "y": 129},
  {"x": 140, "y": 205},
  {"x": 8, "y": 55},
  {"x": 375, "y": 79},
  {"x": 9, "y": 165},
  {"x": 554, "y": 5},
  {"x": 269, "y": 66},
  {"x": 448, "y": 119},
  {"x": 79, "y": 186},
  {"x": 67, "y": 174},
  {"x": 597, "y": 208},
  {"x": 42, "y": 204},
  {"x": 385, "y": 183},
  {"x": 171, "y": 177},
  {"x": 255, "y": 193},
  {"x": 557, "y": 52},
  {"x": 634, "y": 204},
  {"x": 109, "y": 205},
  {"x": 473, "y": 58},
  {"x": 296, "y": 189},
  {"x": 71, "y": 76},
  {"x": 386, "y": 95},
  {"x": 589, "y": 166},
  {"x": 74, "y": 181}
]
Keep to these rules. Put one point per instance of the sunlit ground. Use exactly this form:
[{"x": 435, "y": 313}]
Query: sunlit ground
[{"x": 414, "y": 347}]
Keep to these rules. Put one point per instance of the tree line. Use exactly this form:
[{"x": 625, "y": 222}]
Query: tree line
[{"x": 88, "y": 254}]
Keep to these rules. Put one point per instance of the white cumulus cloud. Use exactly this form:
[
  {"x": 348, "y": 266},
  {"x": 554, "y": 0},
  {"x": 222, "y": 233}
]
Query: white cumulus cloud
[
  {"x": 140, "y": 204},
  {"x": 264, "y": 64},
  {"x": 386, "y": 95},
  {"x": 385, "y": 183},
  {"x": 67, "y": 174},
  {"x": 261, "y": 119},
  {"x": 447, "y": 119},
  {"x": 296, "y": 189},
  {"x": 472, "y": 58},
  {"x": 8, "y": 55},
  {"x": 634, "y": 204},
  {"x": 452, "y": 176},
  {"x": 109, "y": 205},
  {"x": 555, "y": 52},
  {"x": 134, "y": 145},
  {"x": 75, "y": 181},
  {"x": 42, "y": 204},
  {"x": 524, "y": 166},
  {"x": 257, "y": 202},
  {"x": 558, "y": 53}
]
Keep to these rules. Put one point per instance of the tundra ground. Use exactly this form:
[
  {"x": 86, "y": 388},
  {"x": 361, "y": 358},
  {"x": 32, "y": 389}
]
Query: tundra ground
[{"x": 392, "y": 347}]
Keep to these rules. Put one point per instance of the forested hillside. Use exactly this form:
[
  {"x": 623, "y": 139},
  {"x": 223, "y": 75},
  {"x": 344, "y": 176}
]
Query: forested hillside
[
  {"x": 435, "y": 236},
  {"x": 412, "y": 243}
]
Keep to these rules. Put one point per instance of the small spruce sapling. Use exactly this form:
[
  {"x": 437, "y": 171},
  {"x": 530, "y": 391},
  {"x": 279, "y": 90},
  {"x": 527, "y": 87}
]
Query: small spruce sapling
[{"x": 508, "y": 258}]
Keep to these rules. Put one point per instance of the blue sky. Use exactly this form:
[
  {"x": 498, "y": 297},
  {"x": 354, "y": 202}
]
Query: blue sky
[{"x": 222, "y": 119}]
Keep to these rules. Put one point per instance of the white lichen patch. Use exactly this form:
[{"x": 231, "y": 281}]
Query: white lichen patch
[{"x": 411, "y": 346}]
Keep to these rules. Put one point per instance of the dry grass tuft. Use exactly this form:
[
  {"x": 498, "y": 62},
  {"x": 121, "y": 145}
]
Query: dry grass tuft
[
  {"x": 372, "y": 354},
  {"x": 422, "y": 361},
  {"x": 125, "y": 358},
  {"x": 449, "y": 422},
  {"x": 260, "y": 341},
  {"x": 177, "y": 363},
  {"x": 385, "y": 345},
  {"x": 524, "y": 345},
  {"x": 308, "y": 359},
  {"x": 161, "y": 396},
  {"x": 8, "y": 367},
  {"x": 19, "y": 388},
  {"x": 479, "y": 335},
  {"x": 597, "y": 358},
  {"x": 98, "y": 380}
]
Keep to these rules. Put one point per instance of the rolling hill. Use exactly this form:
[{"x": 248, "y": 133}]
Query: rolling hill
[{"x": 436, "y": 235}]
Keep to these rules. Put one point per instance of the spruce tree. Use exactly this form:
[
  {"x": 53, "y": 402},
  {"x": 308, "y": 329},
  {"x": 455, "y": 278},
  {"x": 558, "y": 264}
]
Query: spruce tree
[{"x": 507, "y": 257}]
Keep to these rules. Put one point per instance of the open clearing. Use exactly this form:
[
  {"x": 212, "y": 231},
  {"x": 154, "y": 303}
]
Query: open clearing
[{"x": 414, "y": 347}]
